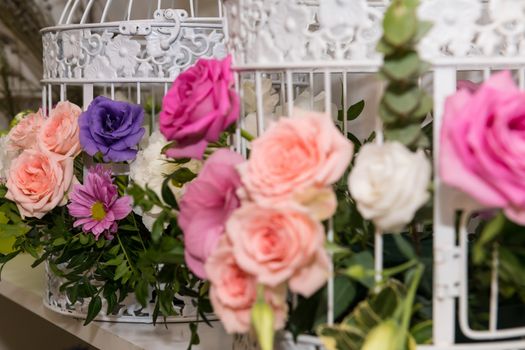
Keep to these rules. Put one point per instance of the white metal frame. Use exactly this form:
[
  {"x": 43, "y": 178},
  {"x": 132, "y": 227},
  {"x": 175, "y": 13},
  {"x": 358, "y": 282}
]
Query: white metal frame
[{"x": 249, "y": 23}]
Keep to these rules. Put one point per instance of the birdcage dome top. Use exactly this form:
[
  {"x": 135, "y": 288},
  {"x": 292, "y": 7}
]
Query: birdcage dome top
[
  {"x": 311, "y": 33},
  {"x": 130, "y": 41},
  {"x": 106, "y": 12}
]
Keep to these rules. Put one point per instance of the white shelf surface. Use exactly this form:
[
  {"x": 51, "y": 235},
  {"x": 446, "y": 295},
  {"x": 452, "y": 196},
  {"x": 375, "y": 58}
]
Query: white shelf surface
[{"x": 25, "y": 286}]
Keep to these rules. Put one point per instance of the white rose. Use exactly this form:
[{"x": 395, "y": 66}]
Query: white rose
[
  {"x": 151, "y": 167},
  {"x": 303, "y": 102},
  {"x": 389, "y": 184},
  {"x": 270, "y": 99}
]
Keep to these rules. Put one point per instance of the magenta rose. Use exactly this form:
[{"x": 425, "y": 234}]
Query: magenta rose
[
  {"x": 207, "y": 204},
  {"x": 200, "y": 105},
  {"x": 483, "y": 145}
]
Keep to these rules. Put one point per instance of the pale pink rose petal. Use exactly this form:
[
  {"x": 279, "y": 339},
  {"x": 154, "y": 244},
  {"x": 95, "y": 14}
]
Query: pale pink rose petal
[
  {"x": 275, "y": 244},
  {"x": 59, "y": 134},
  {"x": 294, "y": 155},
  {"x": 313, "y": 276},
  {"x": 38, "y": 183}
]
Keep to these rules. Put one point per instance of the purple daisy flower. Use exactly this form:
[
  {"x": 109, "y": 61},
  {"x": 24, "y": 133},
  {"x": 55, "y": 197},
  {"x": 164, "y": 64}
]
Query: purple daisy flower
[{"x": 96, "y": 204}]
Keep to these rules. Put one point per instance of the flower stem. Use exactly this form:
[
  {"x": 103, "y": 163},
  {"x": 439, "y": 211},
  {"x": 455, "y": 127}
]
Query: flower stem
[{"x": 247, "y": 136}]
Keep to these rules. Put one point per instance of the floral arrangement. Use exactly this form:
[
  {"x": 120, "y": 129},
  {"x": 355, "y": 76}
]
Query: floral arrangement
[
  {"x": 179, "y": 214},
  {"x": 66, "y": 187}
]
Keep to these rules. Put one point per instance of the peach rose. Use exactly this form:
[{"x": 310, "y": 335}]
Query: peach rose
[
  {"x": 278, "y": 245},
  {"x": 59, "y": 134},
  {"x": 24, "y": 134},
  {"x": 38, "y": 183},
  {"x": 297, "y": 155},
  {"x": 233, "y": 291}
]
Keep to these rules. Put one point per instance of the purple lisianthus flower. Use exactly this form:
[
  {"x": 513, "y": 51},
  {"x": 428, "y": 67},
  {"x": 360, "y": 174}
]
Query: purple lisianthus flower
[
  {"x": 112, "y": 128},
  {"x": 96, "y": 204}
]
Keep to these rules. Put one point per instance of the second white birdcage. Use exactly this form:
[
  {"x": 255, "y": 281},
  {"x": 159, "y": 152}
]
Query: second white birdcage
[{"x": 321, "y": 55}]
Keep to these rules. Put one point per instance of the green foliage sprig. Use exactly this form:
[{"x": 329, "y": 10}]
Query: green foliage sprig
[{"x": 404, "y": 105}]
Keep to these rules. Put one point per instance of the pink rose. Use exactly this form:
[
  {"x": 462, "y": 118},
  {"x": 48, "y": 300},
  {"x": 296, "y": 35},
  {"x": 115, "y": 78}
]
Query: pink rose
[
  {"x": 296, "y": 159},
  {"x": 59, "y": 134},
  {"x": 24, "y": 134},
  {"x": 207, "y": 204},
  {"x": 38, "y": 183},
  {"x": 483, "y": 145},
  {"x": 233, "y": 292},
  {"x": 280, "y": 245},
  {"x": 200, "y": 105}
]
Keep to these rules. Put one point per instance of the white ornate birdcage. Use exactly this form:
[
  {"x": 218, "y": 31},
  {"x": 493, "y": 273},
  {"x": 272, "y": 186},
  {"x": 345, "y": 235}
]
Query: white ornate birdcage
[
  {"x": 125, "y": 50},
  {"x": 323, "y": 52}
]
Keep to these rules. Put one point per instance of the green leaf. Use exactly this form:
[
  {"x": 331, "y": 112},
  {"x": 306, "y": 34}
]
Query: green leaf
[
  {"x": 406, "y": 135},
  {"x": 115, "y": 261},
  {"x": 492, "y": 230},
  {"x": 112, "y": 303},
  {"x": 338, "y": 338},
  {"x": 404, "y": 247},
  {"x": 14, "y": 230},
  {"x": 344, "y": 294},
  {"x": 402, "y": 103},
  {"x": 95, "y": 305},
  {"x": 403, "y": 67},
  {"x": 426, "y": 103},
  {"x": 384, "y": 336},
  {"x": 423, "y": 27},
  {"x": 141, "y": 292},
  {"x": 72, "y": 293},
  {"x": 195, "y": 339},
  {"x": 387, "y": 116},
  {"x": 168, "y": 146},
  {"x": 361, "y": 268},
  {"x": 3, "y": 218},
  {"x": 130, "y": 228},
  {"x": 60, "y": 241},
  {"x": 84, "y": 239},
  {"x": 167, "y": 194},
  {"x": 385, "y": 48},
  {"x": 114, "y": 250},
  {"x": 355, "y": 110},
  {"x": 101, "y": 243},
  {"x": 121, "y": 271},
  {"x": 158, "y": 227},
  {"x": 182, "y": 176},
  {"x": 422, "y": 332},
  {"x": 400, "y": 25}
]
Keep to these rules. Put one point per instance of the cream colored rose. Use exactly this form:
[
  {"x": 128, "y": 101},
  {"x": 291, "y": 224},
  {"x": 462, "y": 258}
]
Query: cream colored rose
[
  {"x": 303, "y": 102},
  {"x": 150, "y": 169},
  {"x": 389, "y": 184},
  {"x": 270, "y": 98}
]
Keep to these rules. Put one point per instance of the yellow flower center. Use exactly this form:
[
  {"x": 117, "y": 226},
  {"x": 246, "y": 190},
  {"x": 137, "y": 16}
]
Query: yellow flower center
[{"x": 98, "y": 212}]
